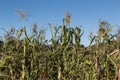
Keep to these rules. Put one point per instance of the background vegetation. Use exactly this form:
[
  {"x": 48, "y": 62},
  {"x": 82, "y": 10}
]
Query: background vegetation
[{"x": 32, "y": 57}]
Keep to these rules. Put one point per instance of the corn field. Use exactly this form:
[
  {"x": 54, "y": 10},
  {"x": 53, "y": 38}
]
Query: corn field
[{"x": 32, "y": 57}]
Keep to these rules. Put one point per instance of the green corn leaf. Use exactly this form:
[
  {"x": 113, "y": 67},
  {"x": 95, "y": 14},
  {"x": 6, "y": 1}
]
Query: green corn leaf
[{"x": 92, "y": 40}]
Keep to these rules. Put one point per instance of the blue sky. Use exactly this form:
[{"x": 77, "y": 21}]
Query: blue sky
[{"x": 85, "y": 13}]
